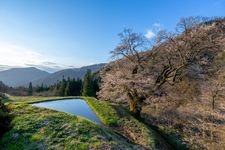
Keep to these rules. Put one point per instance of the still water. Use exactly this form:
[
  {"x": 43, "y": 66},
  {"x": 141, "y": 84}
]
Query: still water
[{"x": 73, "y": 106}]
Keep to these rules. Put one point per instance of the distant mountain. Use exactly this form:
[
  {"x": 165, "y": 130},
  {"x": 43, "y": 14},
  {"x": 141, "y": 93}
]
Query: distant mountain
[
  {"x": 21, "y": 76},
  {"x": 71, "y": 73}
]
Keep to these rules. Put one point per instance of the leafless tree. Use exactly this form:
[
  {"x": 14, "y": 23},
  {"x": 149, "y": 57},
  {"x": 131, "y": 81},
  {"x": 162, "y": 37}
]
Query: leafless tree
[
  {"x": 130, "y": 47},
  {"x": 194, "y": 44},
  {"x": 125, "y": 77}
]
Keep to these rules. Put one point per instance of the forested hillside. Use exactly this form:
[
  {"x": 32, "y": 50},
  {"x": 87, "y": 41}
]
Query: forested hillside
[
  {"x": 178, "y": 84},
  {"x": 68, "y": 73}
]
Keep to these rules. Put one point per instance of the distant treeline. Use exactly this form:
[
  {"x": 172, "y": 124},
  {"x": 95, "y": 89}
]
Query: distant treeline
[{"x": 89, "y": 86}]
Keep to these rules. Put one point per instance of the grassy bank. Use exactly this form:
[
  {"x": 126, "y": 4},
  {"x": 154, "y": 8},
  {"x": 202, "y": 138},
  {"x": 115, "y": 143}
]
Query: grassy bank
[
  {"x": 40, "y": 128},
  {"x": 105, "y": 112},
  {"x": 117, "y": 117}
]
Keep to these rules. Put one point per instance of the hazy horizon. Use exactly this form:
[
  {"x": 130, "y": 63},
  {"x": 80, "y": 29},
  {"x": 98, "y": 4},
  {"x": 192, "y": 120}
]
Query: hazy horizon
[{"x": 49, "y": 70}]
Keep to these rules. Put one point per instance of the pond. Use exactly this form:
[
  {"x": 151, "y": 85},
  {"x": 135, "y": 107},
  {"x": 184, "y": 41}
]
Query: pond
[{"x": 73, "y": 106}]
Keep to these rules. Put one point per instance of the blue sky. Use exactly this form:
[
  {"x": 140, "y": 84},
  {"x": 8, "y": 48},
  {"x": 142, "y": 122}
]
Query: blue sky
[{"x": 56, "y": 34}]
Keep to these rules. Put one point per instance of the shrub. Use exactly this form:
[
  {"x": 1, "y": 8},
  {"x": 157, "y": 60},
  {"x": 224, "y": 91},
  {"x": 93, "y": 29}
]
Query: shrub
[{"x": 5, "y": 118}]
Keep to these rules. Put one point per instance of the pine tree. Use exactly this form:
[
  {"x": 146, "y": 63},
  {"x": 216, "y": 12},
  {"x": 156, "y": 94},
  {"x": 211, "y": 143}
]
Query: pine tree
[
  {"x": 96, "y": 83},
  {"x": 3, "y": 87},
  {"x": 62, "y": 87},
  {"x": 68, "y": 89},
  {"x": 87, "y": 89},
  {"x": 76, "y": 87},
  {"x": 30, "y": 89}
]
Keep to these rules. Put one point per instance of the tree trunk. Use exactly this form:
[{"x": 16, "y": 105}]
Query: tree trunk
[
  {"x": 133, "y": 105},
  {"x": 213, "y": 102}
]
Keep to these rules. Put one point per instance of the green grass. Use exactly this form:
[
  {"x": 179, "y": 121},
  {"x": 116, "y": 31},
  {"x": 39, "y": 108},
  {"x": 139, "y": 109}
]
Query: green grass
[
  {"x": 40, "y": 128},
  {"x": 105, "y": 112},
  {"x": 116, "y": 116}
]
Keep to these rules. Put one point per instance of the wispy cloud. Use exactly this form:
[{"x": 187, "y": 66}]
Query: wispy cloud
[
  {"x": 50, "y": 66},
  {"x": 5, "y": 67},
  {"x": 150, "y": 34},
  {"x": 14, "y": 55},
  {"x": 157, "y": 25},
  {"x": 18, "y": 56}
]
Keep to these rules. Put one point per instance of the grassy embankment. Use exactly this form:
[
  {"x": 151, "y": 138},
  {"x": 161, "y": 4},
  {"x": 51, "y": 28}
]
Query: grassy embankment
[
  {"x": 44, "y": 128},
  {"x": 120, "y": 120},
  {"x": 40, "y": 128}
]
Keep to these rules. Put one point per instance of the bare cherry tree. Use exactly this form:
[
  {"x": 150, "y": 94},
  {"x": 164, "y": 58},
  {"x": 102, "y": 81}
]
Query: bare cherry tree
[
  {"x": 139, "y": 75},
  {"x": 130, "y": 47},
  {"x": 124, "y": 78},
  {"x": 194, "y": 44}
]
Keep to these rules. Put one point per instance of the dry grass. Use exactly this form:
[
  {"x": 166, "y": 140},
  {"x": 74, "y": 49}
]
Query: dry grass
[{"x": 199, "y": 126}]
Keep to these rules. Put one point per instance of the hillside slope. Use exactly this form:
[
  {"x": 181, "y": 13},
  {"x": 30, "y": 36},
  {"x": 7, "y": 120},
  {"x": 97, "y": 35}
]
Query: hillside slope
[{"x": 178, "y": 86}]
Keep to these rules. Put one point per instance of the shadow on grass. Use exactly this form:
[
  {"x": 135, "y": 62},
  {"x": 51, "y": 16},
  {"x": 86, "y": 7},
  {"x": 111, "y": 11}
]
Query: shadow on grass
[
  {"x": 5, "y": 119},
  {"x": 160, "y": 141},
  {"x": 172, "y": 138}
]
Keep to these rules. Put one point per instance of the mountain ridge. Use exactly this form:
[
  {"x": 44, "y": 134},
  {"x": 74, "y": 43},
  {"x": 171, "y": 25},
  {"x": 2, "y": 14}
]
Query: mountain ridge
[
  {"x": 22, "y": 76},
  {"x": 68, "y": 73},
  {"x": 18, "y": 76}
]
